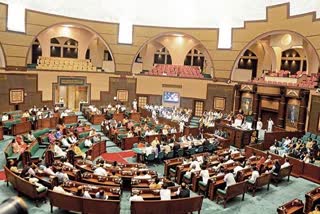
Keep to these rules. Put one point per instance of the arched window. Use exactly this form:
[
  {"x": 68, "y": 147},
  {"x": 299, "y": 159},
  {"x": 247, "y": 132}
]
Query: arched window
[
  {"x": 162, "y": 56},
  {"x": 292, "y": 61},
  {"x": 249, "y": 61},
  {"x": 36, "y": 51},
  {"x": 55, "y": 48},
  {"x": 70, "y": 49},
  {"x": 194, "y": 58}
]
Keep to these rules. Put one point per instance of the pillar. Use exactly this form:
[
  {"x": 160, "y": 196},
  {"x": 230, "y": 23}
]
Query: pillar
[
  {"x": 237, "y": 99},
  {"x": 255, "y": 106},
  {"x": 282, "y": 108},
  {"x": 303, "y": 110}
]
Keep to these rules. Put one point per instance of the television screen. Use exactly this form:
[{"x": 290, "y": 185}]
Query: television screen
[{"x": 171, "y": 97}]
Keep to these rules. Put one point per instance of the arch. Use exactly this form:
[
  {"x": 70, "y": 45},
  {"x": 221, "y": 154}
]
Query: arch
[
  {"x": 77, "y": 25},
  {"x": 205, "y": 52},
  {"x": 263, "y": 35}
]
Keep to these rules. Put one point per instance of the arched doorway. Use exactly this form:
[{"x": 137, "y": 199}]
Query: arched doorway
[
  {"x": 178, "y": 45},
  {"x": 269, "y": 48}
]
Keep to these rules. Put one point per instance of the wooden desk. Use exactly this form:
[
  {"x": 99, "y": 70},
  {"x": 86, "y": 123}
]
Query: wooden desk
[
  {"x": 214, "y": 185},
  {"x": 293, "y": 207},
  {"x": 69, "y": 119},
  {"x": 135, "y": 116},
  {"x": 238, "y": 137},
  {"x": 312, "y": 198},
  {"x": 194, "y": 131},
  {"x": 118, "y": 116},
  {"x": 111, "y": 192},
  {"x": 150, "y": 138},
  {"x": 171, "y": 163},
  {"x": 224, "y": 142},
  {"x": 96, "y": 119},
  {"x": 149, "y": 194},
  {"x": 127, "y": 142},
  {"x": 21, "y": 128},
  {"x": 50, "y": 123},
  {"x": 1, "y": 133}
]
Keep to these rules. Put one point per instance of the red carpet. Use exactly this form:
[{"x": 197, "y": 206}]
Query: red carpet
[
  {"x": 118, "y": 156},
  {"x": 2, "y": 176}
]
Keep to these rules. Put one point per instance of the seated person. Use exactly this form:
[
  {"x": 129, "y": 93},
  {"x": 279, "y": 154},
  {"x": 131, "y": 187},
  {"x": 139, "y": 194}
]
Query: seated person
[
  {"x": 12, "y": 166},
  {"x": 28, "y": 170},
  {"x": 65, "y": 142},
  {"x": 87, "y": 143},
  {"x": 195, "y": 163},
  {"x": 65, "y": 162},
  {"x": 72, "y": 139},
  {"x": 183, "y": 191},
  {"x": 190, "y": 137},
  {"x": 58, "y": 135},
  {"x": 5, "y": 117},
  {"x": 100, "y": 171},
  {"x": 82, "y": 193},
  {"x": 285, "y": 164},
  {"x": 58, "y": 151},
  {"x": 18, "y": 146},
  {"x": 142, "y": 175},
  {"x": 30, "y": 137},
  {"x": 204, "y": 173},
  {"x": 135, "y": 197},
  {"x": 255, "y": 174},
  {"x": 101, "y": 195},
  {"x": 75, "y": 147},
  {"x": 316, "y": 210},
  {"x": 148, "y": 150},
  {"x": 156, "y": 184},
  {"x": 59, "y": 189},
  {"x": 165, "y": 193},
  {"x": 229, "y": 179},
  {"x": 47, "y": 170},
  {"x": 52, "y": 138},
  {"x": 39, "y": 187},
  {"x": 62, "y": 177}
]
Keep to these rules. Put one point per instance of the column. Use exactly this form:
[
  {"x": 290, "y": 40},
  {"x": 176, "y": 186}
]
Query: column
[
  {"x": 282, "y": 108},
  {"x": 304, "y": 95},
  {"x": 237, "y": 99},
  {"x": 255, "y": 106}
]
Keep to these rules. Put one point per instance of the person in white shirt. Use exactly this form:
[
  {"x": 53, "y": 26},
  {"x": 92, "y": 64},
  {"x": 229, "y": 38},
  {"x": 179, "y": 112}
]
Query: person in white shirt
[
  {"x": 87, "y": 143},
  {"x": 58, "y": 151},
  {"x": 229, "y": 179},
  {"x": 148, "y": 150},
  {"x": 270, "y": 124},
  {"x": 286, "y": 142},
  {"x": 5, "y": 117},
  {"x": 100, "y": 171},
  {"x": 165, "y": 194},
  {"x": 195, "y": 163},
  {"x": 72, "y": 139},
  {"x": 135, "y": 105},
  {"x": 46, "y": 170},
  {"x": 259, "y": 124},
  {"x": 193, "y": 169},
  {"x": 135, "y": 197},
  {"x": 63, "y": 114},
  {"x": 142, "y": 175},
  {"x": 237, "y": 169},
  {"x": 286, "y": 163},
  {"x": 255, "y": 174},
  {"x": 204, "y": 173},
  {"x": 65, "y": 142},
  {"x": 59, "y": 189},
  {"x": 181, "y": 126}
]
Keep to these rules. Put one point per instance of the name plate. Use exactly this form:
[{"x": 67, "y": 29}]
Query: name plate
[{"x": 72, "y": 80}]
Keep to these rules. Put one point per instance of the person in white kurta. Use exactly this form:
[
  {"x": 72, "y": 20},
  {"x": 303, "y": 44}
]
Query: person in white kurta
[
  {"x": 135, "y": 105},
  {"x": 270, "y": 124},
  {"x": 259, "y": 128}
]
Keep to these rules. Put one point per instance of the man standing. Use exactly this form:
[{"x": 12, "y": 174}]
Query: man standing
[
  {"x": 270, "y": 124},
  {"x": 135, "y": 105},
  {"x": 259, "y": 128}
]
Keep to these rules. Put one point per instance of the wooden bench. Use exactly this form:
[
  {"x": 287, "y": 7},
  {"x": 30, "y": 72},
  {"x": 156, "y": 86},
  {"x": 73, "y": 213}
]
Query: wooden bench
[
  {"x": 232, "y": 192},
  {"x": 312, "y": 198},
  {"x": 293, "y": 207},
  {"x": 173, "y": 206},
  {"x": 261, "y": 181},
  {"x": 23, "y": 186},
  {"x": 83, "y": 205},
  {"x": 284, "y": 172}
]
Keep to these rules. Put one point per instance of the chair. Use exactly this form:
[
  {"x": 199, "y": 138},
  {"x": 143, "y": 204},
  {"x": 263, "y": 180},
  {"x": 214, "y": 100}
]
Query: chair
[
  {"x": 284, "y": 172},
  {"x": 191, "y": 151},
  {"x": 200, "y": 149},
  {"x": 160, "y": 156},
  {"x": 149, "y": 158},
  {"x": 232, "y": 192},
  {"x": 170, "y": 155},
  {"x": 261, "y": 181},
  {"x": 204, "y": 187},
  {"x": 180, "y": 152}
]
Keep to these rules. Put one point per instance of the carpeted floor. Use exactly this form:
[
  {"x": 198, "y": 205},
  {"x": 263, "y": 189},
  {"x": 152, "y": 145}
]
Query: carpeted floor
[{"x": 265, "y": 202}]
